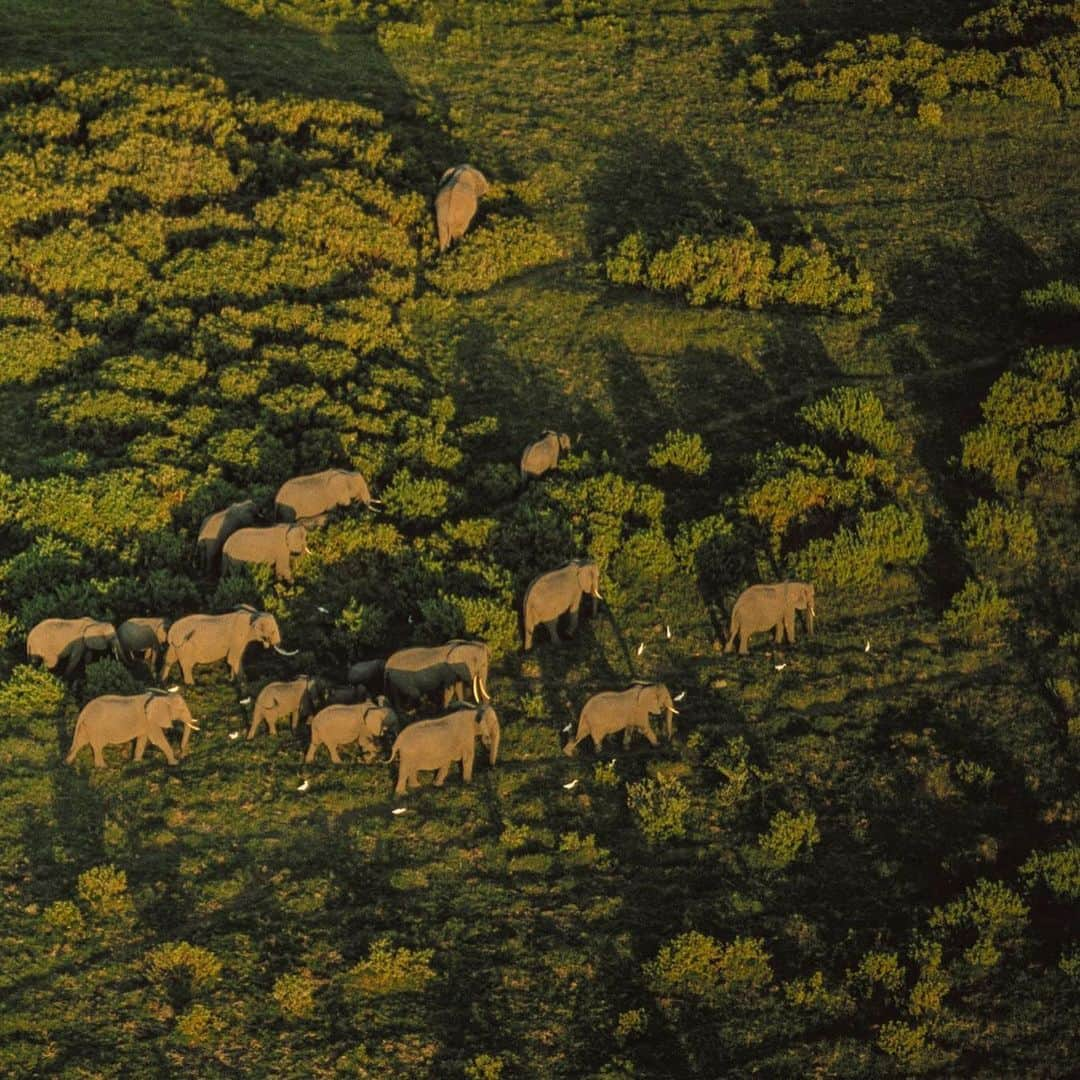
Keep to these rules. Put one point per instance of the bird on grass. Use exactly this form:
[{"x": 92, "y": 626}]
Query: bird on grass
[
  {"x": 245, "y": 701},
  {"x": 679, "y": 696},
  {"x": 867, "y": 649},
  {"x": 641, "y": 648},
  {"x": 325, "y": 611},
  {"x": 569, "y": 727},
  {"x": 234, "y": 734},
  {"x": 668, "y": 629},
  {"x": 780, "y": 667},
  {"x": 399, "y": 810},
  {"x": 573, "y": 784},
  {"x": 304, "y": 786}
]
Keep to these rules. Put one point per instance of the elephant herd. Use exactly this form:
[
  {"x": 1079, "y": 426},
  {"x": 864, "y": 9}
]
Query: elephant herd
[{"x": 445, "y": 674}]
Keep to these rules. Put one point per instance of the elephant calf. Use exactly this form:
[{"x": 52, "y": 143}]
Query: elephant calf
[
  {"x": 437, "y": 744},
  {"x": 543, "y": 455},
  {"x": 115, "y": 718},
  {"x": 770, "y": 607},
  {"x": 293, "y": 701},
  {"x": 271, "y": 545},
  {"x": 338, "y": 725},
  {"x": 144, "y": 637},
  {"x": 460, "y": 190},
  {"x": 627, "y": 710}
]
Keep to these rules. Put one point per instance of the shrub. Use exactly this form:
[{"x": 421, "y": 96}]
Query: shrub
[
  {"x": 414, "y": 498},
  {"x": 1056, "y": 300},
  {"x": 789, "y": 835},
  {"x": 108, "y": 676},
  {"x": 66, "y": 920},
  {"x": 181, "y": 970},
  {"x": 930, "y": 114},
  {"x": 104, "y": 892},
  {"x": 858, "y": 558},
  {"x": 295, "y": 996},
  {"x": 994, "y": 532},
  {"x": 1058, "y": 871},
  {"x": 32, "y": 692},
  {"x": 391, "y": 971},
  {"x": 851, "y": 413},
  {"x": 680, "y": 452},
  {"x": 661, "y": 805},
  {"x": 996, "y": 914},
  {"x": 500, "y": 249},
  {"x": 978, "y": 613},
  {"x": 696, "y": 969}
]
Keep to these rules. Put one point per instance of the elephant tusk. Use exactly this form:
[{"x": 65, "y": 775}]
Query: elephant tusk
[
  {"x": 285, "y": 652},
  {"x": 191, "y": 724},
  {"x": 483, "y": 690},
  {"x": 674, "y": 712},
  {"x": 597, "y": 595}
]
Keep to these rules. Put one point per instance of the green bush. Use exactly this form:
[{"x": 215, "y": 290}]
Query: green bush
[
  {"x": 391, "y": 971},
  {"x": 501, "y": 248},
  {"x": 31, "y": 692},
  {"x": 789, "y": 836},
  {"x": 416, "y": 498},
  {"x": 181, "y": 970},
  {"x": 680, "y": 452},
  {"x": 1056, "y": 300},
  {"x": 295, "y": 996},
  {"x": 1057, "y": 870},
  {"x": 696, "y": 969},
  {"x": 978, "y": 613},
  {"x": 854, "y": 414},
  {"x": 994, "y": 534},
  {"x": 661, "y": 806}
]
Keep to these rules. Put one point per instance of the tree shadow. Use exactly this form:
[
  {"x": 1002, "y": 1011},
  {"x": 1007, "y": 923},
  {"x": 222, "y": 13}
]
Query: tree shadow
[{"x": 820, "y": 22}]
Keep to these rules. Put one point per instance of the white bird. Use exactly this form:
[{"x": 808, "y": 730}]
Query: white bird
[
  {"x": 668, "y": 631},
  {"x": 679, "y": 696},
  {"x": 400, "y": 810},
  {"x": 245, "y": 701},
  {"x": 867, "y": 649},
  {"x": 304, "y": 786},
  {"x": 569, "y": 727},
  {"x": 325, "y": 611},
  {"x": 780, "y": 667},
  {"x": 234, "y": 734},
  {"x": 174, "y": 689},
  {"x": 573, "y": 784},
  {"x": 641, "y": 648}
]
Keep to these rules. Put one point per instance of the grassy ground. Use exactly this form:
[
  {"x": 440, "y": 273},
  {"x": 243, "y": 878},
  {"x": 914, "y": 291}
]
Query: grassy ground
[{"x": 928, "y": 766}]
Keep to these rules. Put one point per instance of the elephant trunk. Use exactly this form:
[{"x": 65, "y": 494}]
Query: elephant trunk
[
  {"x": 810, "y": 619},
  {"x": 494, "y": 744},
  {"x": 570, "y": 748}
]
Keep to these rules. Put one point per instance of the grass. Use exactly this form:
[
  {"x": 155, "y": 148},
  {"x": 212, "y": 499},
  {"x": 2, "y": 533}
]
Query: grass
[{"x": 927, "y": 765}]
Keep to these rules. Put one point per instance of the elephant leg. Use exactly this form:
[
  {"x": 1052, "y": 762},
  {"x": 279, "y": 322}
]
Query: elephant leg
[
  {"x": 77, "y": 744},
  {"x": 744, "y": 641},
  {"x": 187, "y": 670},
  {"x": 402, "y": 782},
  {"x": 553, "y": 630},
  {"x": 74, "y": 656},
  {"x": 441, "y": 775},
  {"x": 627, "y": 734},
  {"x": 413, "y": 779},
  {"x": 335, "y": 757},
  {"x": 271, "y": 725},
  {"x": 309, "y": 757},
  {"x": 157, "y": 737},
  {"x": 255, "y": 722},
  {"x": 729, "y": 645},
  {"x": 527, "y": 643},
  {"x": 139, "y": 749},
  {"x": 466, "y": 768},
  {"x": 778, "y": 630},
  {"x": 99, "y": 757},
  {"x": 597, "y": 739},
  {"x": 647, "y": 731},
  {"x": 789, "y": 626},
  {"x": 184, "y": 740}
]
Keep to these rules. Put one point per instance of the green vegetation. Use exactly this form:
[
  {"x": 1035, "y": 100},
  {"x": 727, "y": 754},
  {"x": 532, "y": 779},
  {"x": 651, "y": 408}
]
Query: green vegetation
[{"x": 799, "y": 335}]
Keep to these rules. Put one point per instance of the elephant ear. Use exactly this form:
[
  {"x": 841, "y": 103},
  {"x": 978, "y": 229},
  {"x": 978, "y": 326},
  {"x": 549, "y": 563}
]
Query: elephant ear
[{"x": 152, "y": 707}]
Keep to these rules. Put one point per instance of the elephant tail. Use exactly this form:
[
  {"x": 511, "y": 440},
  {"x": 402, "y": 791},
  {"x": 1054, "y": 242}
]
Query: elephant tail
[
  {"x": 76, "y": 741},
  {"x": 395, "y": 751}
]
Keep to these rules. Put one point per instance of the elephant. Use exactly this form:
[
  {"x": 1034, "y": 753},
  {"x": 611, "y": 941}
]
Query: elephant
[
  {"x": 205, "y": 639},
  {"x": 558, "y": 593},
  {"x": 460, "y": 188},
  {"x": 338, "y": 725},
  {"x": 311, "y": 496},
  {"x": 144, "y": 637},
  {"x": 217, "y": 528},
  {"x": 437, "y": 744},
  {"x": 770, "y": 607},
  {"x": 116, "y": 718},
  {"x": 367, "y": 672},
  {"x": 352, "y": 694},
  {"x": 270, "y": 545},
  {"x": 443, "y": 670},
  {"x": 623, "y": 710},
  {"x": 53, "y": 640},
  {"x": 542, "y": 455},
  {"x": 293, "y": 701}
]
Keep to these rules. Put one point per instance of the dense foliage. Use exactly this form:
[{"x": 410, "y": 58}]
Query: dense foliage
[{"x": 790, "y": 338}]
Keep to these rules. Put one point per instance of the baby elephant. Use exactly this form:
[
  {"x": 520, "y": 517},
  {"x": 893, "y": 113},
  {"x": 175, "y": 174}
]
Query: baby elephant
[
  {"x": 459, "y": 192},
  {"x": 338, "y": 725},
  {"x": 271, "y": 545},
  {"x": 369, "y": 673},
  {"x": 437, "y": 744},
  {"x": 115, "y": 718},
  {"x": 293, "y": 701},
  {"x": 627, "y": 710},
  {"x": 145, "y": 638},
  {"x": 541, "y": 456}
]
